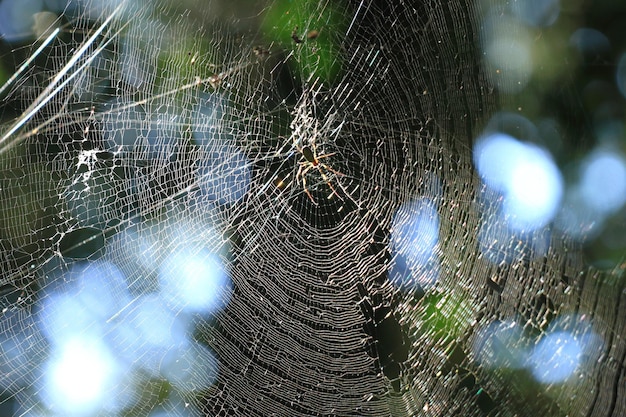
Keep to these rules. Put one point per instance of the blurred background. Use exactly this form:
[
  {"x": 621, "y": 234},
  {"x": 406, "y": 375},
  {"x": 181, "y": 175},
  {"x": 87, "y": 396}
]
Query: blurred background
[{"x": 312, "y": 208}]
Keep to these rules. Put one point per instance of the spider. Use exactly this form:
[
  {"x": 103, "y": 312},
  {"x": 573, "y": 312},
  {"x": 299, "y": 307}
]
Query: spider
[{"x": 312, "y": 161}]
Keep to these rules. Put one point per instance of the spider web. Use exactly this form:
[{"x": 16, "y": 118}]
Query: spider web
[{"x": 146, "y": 144}]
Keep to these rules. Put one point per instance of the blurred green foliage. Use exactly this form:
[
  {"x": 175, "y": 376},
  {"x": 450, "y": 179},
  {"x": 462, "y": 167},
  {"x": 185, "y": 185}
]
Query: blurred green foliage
[{"x": 309, "y": 30}]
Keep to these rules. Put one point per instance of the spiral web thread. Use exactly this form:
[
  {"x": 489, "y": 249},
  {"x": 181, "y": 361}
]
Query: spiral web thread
[{"x": 177, "y": 130}]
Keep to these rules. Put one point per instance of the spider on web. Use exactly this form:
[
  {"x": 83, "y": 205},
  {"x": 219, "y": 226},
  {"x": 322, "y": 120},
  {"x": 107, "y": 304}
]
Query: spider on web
[
  {"x": 311, "y": 156},
  {"x": 311, "y": 160}
]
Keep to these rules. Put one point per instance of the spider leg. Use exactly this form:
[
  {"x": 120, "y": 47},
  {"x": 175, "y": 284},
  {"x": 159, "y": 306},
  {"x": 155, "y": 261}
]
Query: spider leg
[
  {"x": 306, "y": 190},
  {"x": 325, "y": 178},
  {"x": 345, "y": 192},
  {"x": 302, "y": 176},
  {"x": 334, "y": 171},
  {"x": 326, "y": 155}
]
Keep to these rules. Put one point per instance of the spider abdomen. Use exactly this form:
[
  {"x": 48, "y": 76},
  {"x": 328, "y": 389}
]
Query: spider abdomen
[{"x": 308, "y": 155}]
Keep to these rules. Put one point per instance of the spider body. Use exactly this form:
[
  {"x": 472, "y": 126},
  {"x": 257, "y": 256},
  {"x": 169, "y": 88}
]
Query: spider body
[
  {"x": 312, "y": 161},
  {"x": 308, "y": 155}
]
